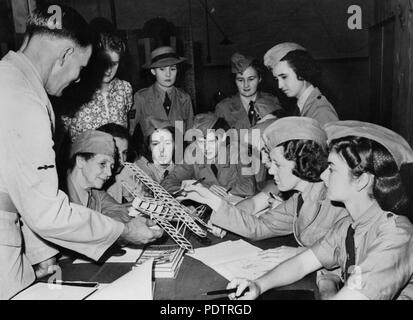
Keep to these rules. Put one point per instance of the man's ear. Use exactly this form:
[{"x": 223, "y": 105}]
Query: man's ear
[
  {"x": 153, "y": 71},
  {"x": 65, "y": 55},
  {"x": 364, "y": 181}
]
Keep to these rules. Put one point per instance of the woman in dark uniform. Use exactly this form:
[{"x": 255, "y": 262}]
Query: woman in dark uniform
[{"x": 250, "y": 105}]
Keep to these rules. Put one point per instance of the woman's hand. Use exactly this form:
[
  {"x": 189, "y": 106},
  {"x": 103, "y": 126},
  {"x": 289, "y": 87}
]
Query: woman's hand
[
  {"x": 280, "y": 254},
  {"x": 216, "y": 231},
  {"x": 199, "y": 194},
  {"x": 242, "y": 284}
]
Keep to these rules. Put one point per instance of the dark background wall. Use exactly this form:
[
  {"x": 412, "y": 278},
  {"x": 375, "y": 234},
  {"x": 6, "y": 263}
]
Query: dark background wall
[{"x": 254, "y": 27}]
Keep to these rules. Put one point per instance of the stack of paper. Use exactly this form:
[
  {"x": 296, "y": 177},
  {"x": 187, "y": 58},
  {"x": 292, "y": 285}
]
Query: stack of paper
[
  {"x": 167, "y": 259},
  {"x": 233, "y": 259}
]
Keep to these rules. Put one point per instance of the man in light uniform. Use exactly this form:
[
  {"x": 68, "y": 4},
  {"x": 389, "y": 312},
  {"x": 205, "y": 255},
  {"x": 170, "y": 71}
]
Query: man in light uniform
[{"x": 33, "y": 212}]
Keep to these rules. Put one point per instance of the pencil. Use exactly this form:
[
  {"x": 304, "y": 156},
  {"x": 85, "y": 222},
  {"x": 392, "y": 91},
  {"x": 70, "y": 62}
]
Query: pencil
[
  {"x": 177, "y": 193},
  {"x": 224, "y": 291}
]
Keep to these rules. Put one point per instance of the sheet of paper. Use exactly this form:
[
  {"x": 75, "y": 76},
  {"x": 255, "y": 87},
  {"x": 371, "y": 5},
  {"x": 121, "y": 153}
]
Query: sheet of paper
[
  {"x": 224, "y": 252},
  {"x": 234, "y": 259},
  {"x": 49, "y": 291},
  {"x": 135, "y": 285},
  {"x": 130, "y": 256}
]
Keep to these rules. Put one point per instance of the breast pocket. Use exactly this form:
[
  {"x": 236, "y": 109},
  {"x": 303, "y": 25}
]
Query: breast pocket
[{"x": 10, "y": 231}]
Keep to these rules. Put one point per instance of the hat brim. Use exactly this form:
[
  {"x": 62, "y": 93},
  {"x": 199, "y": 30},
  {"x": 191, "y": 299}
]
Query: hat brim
[{"x": 164, "y": 63}]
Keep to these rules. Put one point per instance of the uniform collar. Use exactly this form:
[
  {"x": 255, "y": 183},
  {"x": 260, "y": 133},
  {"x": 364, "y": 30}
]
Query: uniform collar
[
  {"x": 161, "y": 93},
  {"x": 301, "y": 101},
  {"x": 373, "y": 213},
  {"x": 21, "y": 62},
  {"x": 315, "y": 192}
]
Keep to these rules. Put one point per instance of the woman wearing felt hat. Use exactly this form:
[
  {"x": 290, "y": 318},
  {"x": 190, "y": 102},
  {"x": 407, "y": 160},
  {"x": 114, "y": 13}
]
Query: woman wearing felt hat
[
  {"x": 250, "y": 105},
  {"x": 162, "y": 100},
  {"x": 373, "y": 246},
  {"x": 298, "y": 74},
  {"x": 92, "y": 158}
]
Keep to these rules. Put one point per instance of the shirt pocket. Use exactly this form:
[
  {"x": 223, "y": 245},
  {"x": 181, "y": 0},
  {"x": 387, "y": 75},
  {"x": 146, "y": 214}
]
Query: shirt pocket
[{"x": 10, "y": 232}]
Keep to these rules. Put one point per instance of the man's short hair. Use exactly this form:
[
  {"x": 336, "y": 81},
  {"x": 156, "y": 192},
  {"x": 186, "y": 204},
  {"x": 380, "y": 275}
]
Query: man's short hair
[{"x": 72, "y": 25}]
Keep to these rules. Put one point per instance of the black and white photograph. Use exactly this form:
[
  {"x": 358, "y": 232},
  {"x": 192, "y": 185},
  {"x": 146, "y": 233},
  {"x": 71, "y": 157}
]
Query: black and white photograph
[{"x": 206, "y": 154}]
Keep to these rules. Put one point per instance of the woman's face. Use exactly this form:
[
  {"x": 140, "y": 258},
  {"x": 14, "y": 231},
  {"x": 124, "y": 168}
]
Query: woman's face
[
  {"x": 122, "y": 145},
  {"x": 282, "y": 170},
  {"x": 97, "y": 170},
  {"x": 165, "y": 76},
  {"x": 111, "y": 72},
  {"x": 337, "y": 177},
  {"x": 247, "y": 82},
  {"x": 287, "y": 80},
  {"x": 162, "y": 147}
]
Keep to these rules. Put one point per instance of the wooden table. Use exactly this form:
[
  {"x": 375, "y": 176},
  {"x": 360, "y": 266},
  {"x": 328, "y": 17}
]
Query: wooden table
[{"x": 193, "y": 278}]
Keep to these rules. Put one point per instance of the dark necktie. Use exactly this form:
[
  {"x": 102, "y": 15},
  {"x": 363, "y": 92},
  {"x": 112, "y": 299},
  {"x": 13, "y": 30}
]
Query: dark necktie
[
  {"x": 300, "y": 202},
  {"x": 214, "y": 170},
  {"x": 252, "y": 115},
  {"x": 350, "y": 251},
  {"x": 167, "y": 103}
]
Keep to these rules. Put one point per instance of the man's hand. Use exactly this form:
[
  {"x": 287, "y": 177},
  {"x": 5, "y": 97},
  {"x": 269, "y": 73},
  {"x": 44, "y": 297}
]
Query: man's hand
[
  {"x": 45, "y": 267},
  {"x": 218, "y": 190},
  {"x": 140, "y": 230}
]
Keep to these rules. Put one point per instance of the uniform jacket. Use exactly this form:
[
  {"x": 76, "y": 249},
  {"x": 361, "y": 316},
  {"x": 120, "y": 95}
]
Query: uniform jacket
[
  {"x": 29, "y": 184},
  {"x": 384, "y": 253},
  {"x": 149, "y": 102},
  {"x": 228, "y": 176},
  {"x": 232, "y": 110},
  {"x": 100, "y": 201},
  {"x": 319, "y": 108},
  {"x": 316, "y": 217}
]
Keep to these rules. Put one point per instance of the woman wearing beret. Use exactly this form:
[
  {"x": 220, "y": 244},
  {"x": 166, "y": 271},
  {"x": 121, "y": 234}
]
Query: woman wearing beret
[
  {"x": 244, "y": 109},
  {"x": 162, "y": 100},
  {"x": 92, "y": 158},
  {"x": 298, "y": 74},
  {"x": 373, "y": 246}
]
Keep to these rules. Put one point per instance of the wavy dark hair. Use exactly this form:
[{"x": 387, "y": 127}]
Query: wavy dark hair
[
  {"x": 147, "y": 148},
  {"x": 304, "y": 66},
  {"x": 366, "y": 155},
  {"x": 309, "y": 156}
]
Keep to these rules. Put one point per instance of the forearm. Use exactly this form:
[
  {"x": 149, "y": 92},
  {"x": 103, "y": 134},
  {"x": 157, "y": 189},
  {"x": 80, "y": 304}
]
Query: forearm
[
  {"x": 254, "y": 204},
  {"x": 290, "y": 271}
]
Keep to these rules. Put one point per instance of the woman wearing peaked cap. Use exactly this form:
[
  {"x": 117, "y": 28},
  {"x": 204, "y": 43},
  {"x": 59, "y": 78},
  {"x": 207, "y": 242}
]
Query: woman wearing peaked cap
[
  {"x": 373, "y": 246},
  {"x": 297, "y": 74},
  {"x": 162, "y": 100},
  {"x": 92, "y": 158},
  {"x": 249, "y": 105},
  {"x": 297, "y": 150}
]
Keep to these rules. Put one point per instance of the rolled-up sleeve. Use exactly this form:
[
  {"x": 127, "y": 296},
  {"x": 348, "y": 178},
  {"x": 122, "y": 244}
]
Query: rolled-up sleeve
[
  {"x": 28, "y": 171},
  {"x": 328, "y": 249}
]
